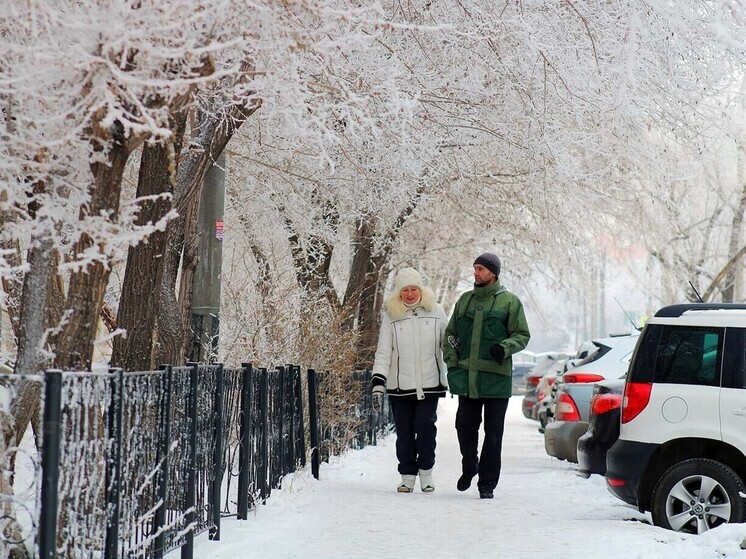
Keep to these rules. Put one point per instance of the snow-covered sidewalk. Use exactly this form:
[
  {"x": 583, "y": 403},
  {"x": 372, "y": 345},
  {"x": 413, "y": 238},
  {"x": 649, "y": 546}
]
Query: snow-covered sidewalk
[{"x": 541, "y": 509}]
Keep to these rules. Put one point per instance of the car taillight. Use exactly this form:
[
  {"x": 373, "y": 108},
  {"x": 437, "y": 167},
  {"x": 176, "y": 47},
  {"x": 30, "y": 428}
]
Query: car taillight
[
  {"x": 636, "y": 397},
  {"x": 582, "y": 377},
  {"x": 566, "y": 409},
  {"x": 604, "y": 403}
]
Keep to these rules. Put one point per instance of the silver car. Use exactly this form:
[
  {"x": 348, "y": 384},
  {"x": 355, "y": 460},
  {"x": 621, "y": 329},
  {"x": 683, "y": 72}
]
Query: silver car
[{"x": 574, "y": 391}]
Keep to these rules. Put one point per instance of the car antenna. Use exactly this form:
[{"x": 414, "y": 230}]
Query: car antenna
[
  {"x": 635, "y": 326},
  {"x": 696, "y": 292}
]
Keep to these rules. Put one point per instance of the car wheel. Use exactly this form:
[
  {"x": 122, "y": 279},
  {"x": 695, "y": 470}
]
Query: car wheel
[{"x": 697, "y": 495}]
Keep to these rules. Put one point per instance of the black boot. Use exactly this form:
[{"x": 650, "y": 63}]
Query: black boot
[
  {"x": 464, "y": 482},
  {"x": 486, "y": 494}
]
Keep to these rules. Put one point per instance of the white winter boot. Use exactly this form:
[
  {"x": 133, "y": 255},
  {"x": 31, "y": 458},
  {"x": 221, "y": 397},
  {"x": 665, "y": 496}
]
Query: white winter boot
[
  {"x": 426, "y": 481},
  {"x": 407, "y": 484}
]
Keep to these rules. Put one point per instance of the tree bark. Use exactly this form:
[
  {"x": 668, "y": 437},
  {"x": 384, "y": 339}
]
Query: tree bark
[
  {"x": 87, "y": 286},
  {"x": 735, "y": 259},
  {"x": 729, "y": 288},
  {"x": 143, "y": 274},
  {"x": 189, "y": 262},
  {"x": 215, "y": 131},
  {"x": 364, "y": 295}
]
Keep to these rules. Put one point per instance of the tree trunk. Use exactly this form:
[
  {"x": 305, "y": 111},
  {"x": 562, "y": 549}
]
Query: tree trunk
[
  {"x": 188, "y": 268},
  {"x": 42, "y": 261},
  {"x": 143, "y": 274},
  {"x": 32, "y": 357},
  {"x": 364, "y": 295},
  {"x": 729, "y": 288},
  {"x": 215, "y": 131},
  {"x": 170, "y": 330},
  {"x": 735, "y": 259},
  {"x": 87, "y": 286}
]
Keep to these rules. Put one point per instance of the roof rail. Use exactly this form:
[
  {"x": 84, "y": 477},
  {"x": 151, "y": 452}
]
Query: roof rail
[{"x": 673, "y": 311}]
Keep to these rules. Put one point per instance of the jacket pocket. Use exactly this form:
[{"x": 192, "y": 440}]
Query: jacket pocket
[
  {"x": 494, "y": 325},
  {"x": 495, "y": 385},
  {"x": 458, "y": 381}
]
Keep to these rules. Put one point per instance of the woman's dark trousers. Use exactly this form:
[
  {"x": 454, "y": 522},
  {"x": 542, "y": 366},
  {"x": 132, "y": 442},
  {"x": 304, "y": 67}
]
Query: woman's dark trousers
[
  {"x": 415, "y": 433},
  {"x": 468, "y": 419}
]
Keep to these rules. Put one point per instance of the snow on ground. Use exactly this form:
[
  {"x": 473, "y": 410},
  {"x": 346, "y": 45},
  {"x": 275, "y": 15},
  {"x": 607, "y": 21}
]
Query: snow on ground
[{"x": 541, "y": 509}]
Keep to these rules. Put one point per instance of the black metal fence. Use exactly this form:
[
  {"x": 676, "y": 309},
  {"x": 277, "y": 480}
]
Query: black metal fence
[{"x": 135, "y": 464}]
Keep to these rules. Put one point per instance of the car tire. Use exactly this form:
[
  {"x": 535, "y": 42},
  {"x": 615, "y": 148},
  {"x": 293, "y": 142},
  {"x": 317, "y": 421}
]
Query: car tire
[{"x": 678, "y": 503}]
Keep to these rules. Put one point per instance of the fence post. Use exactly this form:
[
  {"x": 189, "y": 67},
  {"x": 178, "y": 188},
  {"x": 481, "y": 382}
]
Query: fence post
[
  {"x": 282, "y": 470},
  {"x": 244, "y": 449},
  {"x": 290, "y": 464},
  {"x": 187, "y": 549},
  {"x": 263, "y": 401},
  {"x": 362, "y": 409},
  {"x": 159, "y": 519},
  {"x": 300, "y": 425},
  {"x": 217, "y": 458},
  {"x": 50, "y": 464},
  {"x": 368, "y": 406},
  {"x": 313, "y": 420},
  {"x": 114, "y": 467}
]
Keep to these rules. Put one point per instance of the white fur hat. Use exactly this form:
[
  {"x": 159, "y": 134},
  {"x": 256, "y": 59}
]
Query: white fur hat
[{"x": 405, "y": 277}]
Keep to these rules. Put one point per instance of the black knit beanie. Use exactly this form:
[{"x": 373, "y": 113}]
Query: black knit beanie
[{"x": 489, "y": 261}]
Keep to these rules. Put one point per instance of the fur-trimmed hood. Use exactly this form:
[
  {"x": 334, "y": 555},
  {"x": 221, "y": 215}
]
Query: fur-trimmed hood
[{"x": 397, "y": 310}]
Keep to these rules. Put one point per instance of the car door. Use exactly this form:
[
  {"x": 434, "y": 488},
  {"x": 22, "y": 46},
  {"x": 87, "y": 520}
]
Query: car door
[{"x": 733, "y": 389}]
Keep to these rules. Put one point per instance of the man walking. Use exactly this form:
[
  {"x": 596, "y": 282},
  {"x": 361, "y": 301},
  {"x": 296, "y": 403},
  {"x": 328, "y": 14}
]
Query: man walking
[{"x": 487, "y": 327}]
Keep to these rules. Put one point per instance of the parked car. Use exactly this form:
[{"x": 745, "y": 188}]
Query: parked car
[
  {"x": 573, "y": 397},
  {"x": 544, "y": 388},
  {"x": 520, "y": 371},
  {"x": 547, "y": 394},
  {"x": 681, "y": 452},
  {"x": 603, "y": 427},
  {"x": 532, "y": 381}
]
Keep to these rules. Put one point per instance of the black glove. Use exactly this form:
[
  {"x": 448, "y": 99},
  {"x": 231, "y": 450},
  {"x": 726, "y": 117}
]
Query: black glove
[
  {"x": 497, "y": 352},
  {"x": 378, "y": 392}
]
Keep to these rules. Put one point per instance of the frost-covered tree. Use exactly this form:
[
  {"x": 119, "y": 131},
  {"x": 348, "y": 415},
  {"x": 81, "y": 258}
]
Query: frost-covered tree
[{"x": 532, "y": 123}]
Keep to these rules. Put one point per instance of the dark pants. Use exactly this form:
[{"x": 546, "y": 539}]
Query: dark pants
[
  {"x": 415, "y": 433},
  {"x": 468, "y": 419}
]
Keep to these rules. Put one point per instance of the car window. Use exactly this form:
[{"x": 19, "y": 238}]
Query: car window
[
  {"x": 597, "y": 353},
  {"x": 689, "y": 355},
  {"x": 643, "y": 361},
  {"x": 734, "y": 359}
]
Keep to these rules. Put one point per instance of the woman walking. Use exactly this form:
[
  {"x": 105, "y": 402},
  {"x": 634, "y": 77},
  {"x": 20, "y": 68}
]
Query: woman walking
[{"x": 409, "y": 367}]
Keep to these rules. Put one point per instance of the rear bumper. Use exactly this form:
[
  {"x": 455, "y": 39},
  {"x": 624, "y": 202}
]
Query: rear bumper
[
  {"x": 592, "y": 455},
  {"x": 561, "y": 438},
  {"x": 626, "y": 463},
  {"x": 593, "y": 445},
  {"x": 528, "y": 406}
]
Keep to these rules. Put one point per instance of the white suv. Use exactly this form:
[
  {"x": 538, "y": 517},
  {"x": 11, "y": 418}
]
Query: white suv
[{"x": 681, "y": 452}]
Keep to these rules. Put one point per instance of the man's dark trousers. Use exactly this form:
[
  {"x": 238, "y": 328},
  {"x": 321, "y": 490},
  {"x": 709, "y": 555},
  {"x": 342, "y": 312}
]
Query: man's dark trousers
[
  {"x": 415, "y": 433},
  {"x": 468, "y": 420}
]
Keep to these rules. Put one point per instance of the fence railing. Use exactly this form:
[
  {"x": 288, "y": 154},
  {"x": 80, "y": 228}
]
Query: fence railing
[{"x": 136, "y": 464}]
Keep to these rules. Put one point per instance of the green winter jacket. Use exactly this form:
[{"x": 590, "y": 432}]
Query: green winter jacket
[{"x": 481, "y": 318}]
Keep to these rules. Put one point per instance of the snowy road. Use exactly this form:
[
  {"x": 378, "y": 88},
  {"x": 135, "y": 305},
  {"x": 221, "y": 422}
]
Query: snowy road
[{"x": 542, "y": 509}]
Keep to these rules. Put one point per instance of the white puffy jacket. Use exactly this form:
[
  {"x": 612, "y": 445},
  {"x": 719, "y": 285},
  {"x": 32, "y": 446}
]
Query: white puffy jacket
[{"x": 409, "y": 358}]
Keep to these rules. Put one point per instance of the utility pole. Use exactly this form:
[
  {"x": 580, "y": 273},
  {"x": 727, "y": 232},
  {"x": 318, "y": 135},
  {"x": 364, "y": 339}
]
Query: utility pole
[
  {"x": 603, "y": 327},
  {"x": 205, "y": 314}
]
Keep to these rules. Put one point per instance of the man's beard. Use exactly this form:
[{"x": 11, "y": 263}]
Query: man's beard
[{"x": 480, "y": 284}]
